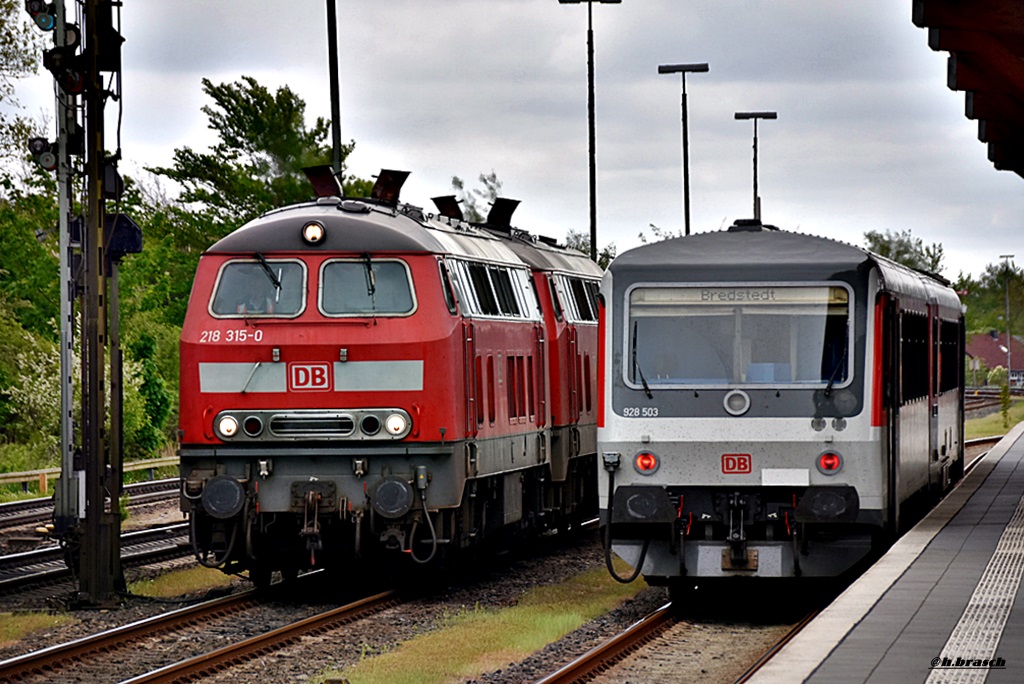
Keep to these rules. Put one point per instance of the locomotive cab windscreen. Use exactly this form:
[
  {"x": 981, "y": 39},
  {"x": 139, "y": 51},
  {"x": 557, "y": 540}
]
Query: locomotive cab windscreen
[
  {"x": 259, "y": 287},
  {"x": 722, "y": 335}
]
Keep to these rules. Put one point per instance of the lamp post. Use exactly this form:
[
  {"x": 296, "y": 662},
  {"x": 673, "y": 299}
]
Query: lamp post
[
  {"x": 755, "y": 116},
  {"x": 590, "y": 115},
  {"x": 682, "y": 70},
  {"x": 1009, "y": 368},
  {"x": 332, "y": 62}
]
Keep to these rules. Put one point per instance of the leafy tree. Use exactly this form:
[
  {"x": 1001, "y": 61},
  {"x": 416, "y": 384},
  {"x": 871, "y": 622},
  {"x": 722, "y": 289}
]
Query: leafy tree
[
  {"x": 905, "y": 249},
  {"x": 29, "y": 260},
  {"x": 150, "y": 436},
  {"x": 257, "y": 163},
  {"x": 659, "y": 234},
  {"x": 476, "y": 203},
  {"x": 20, "y": 51},
  {"x": 581, "y": 243}
]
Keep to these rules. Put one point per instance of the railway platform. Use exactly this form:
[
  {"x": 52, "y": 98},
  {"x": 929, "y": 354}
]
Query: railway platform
[{"x": 943, "y": 605}]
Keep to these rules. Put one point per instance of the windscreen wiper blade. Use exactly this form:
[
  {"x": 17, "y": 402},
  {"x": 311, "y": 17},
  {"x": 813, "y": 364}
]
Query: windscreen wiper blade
[
  {"x": 636, "y": 367},
  {"x": 269, "y": 271}
]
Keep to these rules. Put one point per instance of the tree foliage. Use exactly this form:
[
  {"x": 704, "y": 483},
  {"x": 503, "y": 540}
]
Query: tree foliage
[
  {"x": 20, "y": 50},
  {"x": 905, "y": 249},
  {"x": 257, "y": 163},
  {"x": 476, "y": 202},
  {"x": 581, "y": 243}
]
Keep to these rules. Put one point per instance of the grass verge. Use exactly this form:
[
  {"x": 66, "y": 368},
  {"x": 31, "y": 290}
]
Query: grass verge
[
  {"x": 992, "y": 424},
  {"x": 16, "y": 626},
  {"x": 479, "y": 640},
  {"x": 180, "y": 582}
]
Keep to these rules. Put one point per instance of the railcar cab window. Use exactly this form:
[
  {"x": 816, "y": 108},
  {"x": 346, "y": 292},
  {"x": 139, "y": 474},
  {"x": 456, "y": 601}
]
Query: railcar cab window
[
  {"x": 494, "y": 290},
  {"x": 725, "y": 334},
  {"x": 259, "y": 287},
  {"x": 366, "y": 287}
]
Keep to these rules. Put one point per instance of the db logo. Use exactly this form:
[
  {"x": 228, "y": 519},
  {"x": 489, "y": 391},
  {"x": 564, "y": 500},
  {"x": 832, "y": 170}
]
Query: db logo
[
  {"x": 305, "y": 377},
  {"x": 735, "y": 464}
]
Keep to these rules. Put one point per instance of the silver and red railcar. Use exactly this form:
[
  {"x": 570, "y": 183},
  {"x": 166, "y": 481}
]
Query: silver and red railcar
[
  {"x": 773, "y": 403},
  {"x": 359, "y": 377}
]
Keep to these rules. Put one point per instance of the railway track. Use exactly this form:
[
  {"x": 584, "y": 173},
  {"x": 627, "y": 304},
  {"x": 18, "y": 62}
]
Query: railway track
[
  {"x": 609, "y": 653},
  {"x": 45, "y": 664},
  {"x": 40, "y": 510},
  {"x": 47, "y": 565}
]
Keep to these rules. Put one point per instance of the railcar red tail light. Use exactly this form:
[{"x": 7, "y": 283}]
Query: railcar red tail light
[
  {"x": 646, "y": 463},
  {"x": 830, "y": 463}
]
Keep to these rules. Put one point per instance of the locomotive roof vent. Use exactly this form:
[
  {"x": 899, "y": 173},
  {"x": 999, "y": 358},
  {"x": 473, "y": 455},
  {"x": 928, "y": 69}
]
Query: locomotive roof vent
[
  {"x": 749, "y": 226},
  {"x": 388, "y": 186},
  {"x": 323, "y": 180},
  {"x": 500, "y": 215},
  {"x": 448, "y": 205}
]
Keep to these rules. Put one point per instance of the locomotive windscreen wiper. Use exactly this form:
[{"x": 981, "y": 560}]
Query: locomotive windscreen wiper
[
  {"x": 269, "y": 271},
  {"x": 371, "y": 280},
  {"x": 636, "y": 367}
]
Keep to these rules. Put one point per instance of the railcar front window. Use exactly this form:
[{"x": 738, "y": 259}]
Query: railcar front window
[
  {"x": 728, "y": 335},
  {"x": 366, "y": 287},
  {"x": 251, "y": 287}
]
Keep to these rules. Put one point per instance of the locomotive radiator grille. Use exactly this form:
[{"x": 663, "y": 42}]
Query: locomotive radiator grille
[{"x": 312, "y": 426}]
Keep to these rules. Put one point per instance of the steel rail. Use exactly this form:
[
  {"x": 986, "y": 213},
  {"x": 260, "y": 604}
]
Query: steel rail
[
  {"x": 140, "y": 547},
  {"x": 40, "y": 509},
  {"x": 46, "y": 661},
  {"x": 777, "y": 646},
  {"x": 220, "y": 659},
  {"x": 614, "y": 649}
]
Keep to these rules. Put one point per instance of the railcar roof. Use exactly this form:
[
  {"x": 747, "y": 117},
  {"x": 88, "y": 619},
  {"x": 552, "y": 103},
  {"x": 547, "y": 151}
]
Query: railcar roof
[{"x": 769, "y": 255}]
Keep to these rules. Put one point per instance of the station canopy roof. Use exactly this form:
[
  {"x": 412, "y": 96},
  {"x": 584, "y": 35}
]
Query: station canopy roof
[{"x": 985, "y": 41}]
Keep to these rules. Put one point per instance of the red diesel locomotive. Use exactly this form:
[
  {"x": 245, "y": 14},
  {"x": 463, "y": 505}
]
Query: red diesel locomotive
[{"x": 359, "y": 377}]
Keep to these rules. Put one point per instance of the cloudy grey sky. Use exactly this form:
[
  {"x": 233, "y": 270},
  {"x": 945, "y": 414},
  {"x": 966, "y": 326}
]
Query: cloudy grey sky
[{"x": 868, "y": 136}]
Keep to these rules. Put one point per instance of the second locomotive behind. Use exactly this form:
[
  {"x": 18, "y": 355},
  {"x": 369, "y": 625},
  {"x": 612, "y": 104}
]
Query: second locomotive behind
[{"x": 359, "y": 378}]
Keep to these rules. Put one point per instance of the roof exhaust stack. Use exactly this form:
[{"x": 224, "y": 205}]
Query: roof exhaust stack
[
  {"x": 323, "y": 180},
  {"x": 448, "y": 206},
  {"x": 388, "y": 186},
  {"x": 500, "y": 215}
]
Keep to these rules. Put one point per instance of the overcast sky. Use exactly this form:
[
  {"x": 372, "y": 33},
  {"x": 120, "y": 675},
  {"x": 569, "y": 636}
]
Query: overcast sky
[{"x": 868, "y": 136}]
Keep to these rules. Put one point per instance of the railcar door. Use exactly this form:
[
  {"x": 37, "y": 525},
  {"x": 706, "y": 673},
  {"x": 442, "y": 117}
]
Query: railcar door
[{"x": 892, "y": 373}]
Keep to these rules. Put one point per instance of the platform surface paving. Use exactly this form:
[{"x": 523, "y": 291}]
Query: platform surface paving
[{"x": 941, "y": 606}]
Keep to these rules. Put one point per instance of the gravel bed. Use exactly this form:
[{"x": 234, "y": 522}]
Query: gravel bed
[
  {"x": 494, "y": 583},
  {"x": 488, "y": 582},
  {"x": 498, "y": 583}
]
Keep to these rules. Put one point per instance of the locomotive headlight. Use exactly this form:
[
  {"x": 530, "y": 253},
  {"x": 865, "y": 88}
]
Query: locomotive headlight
[
  {"x": 313, "y": 233},
  {"x": 830, "y": 462},
  {"x": 227, "y": 426},
  {"x": 646, "y": 463},
  {"x": 396, "y": 424}
]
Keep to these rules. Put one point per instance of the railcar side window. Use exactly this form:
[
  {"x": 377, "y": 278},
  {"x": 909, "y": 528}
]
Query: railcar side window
[
  {"x": 446, "y": 287},
  {"x": 580, "y": 297},
  {"x": 739, "y": 334},
  {"x": 366, "y": 287},
  {"x": 494, "y": 290},
  {"x": 250, "y": 287},
  {"x": 914, "y": 356}
]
